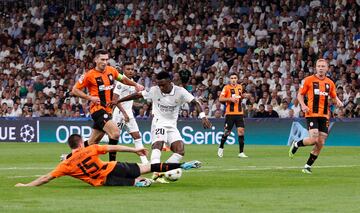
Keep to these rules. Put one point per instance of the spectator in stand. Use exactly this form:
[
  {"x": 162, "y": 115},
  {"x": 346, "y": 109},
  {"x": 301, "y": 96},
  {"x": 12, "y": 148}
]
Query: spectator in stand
[{"x": 44, "y": 49}]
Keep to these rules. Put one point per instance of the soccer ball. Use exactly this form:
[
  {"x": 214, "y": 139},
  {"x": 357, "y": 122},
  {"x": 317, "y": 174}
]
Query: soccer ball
[
  {"x": 27, "y": 133},
  {"x": 173, "y": 175}
]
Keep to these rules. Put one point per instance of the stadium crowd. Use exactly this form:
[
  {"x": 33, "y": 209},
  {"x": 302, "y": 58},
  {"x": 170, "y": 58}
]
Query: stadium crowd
[{"x": 272, "y": 46}]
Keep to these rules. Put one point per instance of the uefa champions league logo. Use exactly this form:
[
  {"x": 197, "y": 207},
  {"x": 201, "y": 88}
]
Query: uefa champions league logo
[{"x": 27, "y": 133}]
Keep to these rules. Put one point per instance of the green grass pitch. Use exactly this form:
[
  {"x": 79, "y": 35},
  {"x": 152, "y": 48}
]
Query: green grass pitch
[{"x": 268, "y": 181}]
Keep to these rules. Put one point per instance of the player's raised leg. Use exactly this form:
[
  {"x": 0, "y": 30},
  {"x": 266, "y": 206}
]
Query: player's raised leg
[{"x": 309, "y": 141}]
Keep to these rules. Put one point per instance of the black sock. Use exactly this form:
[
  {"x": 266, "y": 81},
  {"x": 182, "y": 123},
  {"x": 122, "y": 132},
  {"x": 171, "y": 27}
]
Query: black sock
[
  {"x": 241, "y": 143},
  {"x": 223, "y": 140},
  {"x": 311, "y": 159},
  {"x": 112, "y": 155},
  {"x": 86, "y": 143},
  {"x": 300, "y": 143},
  {"x": 163, "y": 167}
]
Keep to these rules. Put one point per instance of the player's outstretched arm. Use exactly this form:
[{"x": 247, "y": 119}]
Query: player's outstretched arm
[
  {"x": 39, "y": 181},
  {"x": 204, "y": 120},
  {"x": 133, "y": 96},
  {"x": 120, "y": 148},
  {"x": 125, "y": 80},
  {"x": 338, "y": 102}
]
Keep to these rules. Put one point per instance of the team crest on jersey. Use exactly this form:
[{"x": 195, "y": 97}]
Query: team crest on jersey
[
  {"x": 327, "y": 86},
  {"x": 118, "y": 86},
  {"x": 110, "y": 77}
]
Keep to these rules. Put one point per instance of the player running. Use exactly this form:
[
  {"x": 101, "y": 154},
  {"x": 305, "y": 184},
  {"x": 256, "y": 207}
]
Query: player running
[
  {"x": 232, "y": 95},
  {"x": 100, "y": 83},
  {"x": 317, "y": 88},
  {"x": 167, "y": 99}
]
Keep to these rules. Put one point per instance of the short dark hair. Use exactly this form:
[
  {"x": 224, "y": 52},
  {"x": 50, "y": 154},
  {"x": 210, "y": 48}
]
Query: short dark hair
[
  {"x": 163, "y": 75},
  {"x": 127, "y": 63},
  {"x": 101, "y": 52},
  {"x": 231, "y": 74},
  {"x": 74, "y": 140}
]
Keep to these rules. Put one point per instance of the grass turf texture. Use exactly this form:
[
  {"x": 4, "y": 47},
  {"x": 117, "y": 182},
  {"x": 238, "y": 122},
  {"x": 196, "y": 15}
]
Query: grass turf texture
[{"x": 268, "y": 181}]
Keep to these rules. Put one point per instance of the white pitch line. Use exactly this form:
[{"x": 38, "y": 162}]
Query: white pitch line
[{"x": 255, "y": 168}]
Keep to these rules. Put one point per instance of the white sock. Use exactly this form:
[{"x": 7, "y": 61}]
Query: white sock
[
  {"x": 174, "y": 158},
  {"x": 138, "y": 144},
  {"x": 307, "y": 166},
  {"x": 155, "y": 156}
]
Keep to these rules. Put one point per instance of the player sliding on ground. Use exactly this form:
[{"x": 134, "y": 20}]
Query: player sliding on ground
[
  {"x": 167, "y": 99},
  {"x": 85, "y": 164},
  {"x": 317, "y": 88}
]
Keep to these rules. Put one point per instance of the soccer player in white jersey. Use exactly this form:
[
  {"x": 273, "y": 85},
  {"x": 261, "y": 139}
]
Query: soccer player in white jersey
[
  {"x": 167, "y": 99},
  {"x": 122, "y": 114}
]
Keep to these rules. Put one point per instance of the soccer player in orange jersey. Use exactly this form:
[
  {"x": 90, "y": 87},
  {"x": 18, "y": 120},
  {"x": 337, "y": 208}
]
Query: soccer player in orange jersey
[
  {"x": 100, "y": 83},
  {"x": 85, "y": 164},
  {"x": 234, "y": 114},
  {"x": 318, "y": 88}
]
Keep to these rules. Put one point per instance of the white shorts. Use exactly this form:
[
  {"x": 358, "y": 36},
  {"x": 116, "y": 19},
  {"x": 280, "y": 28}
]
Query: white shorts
[
  {"x": 130, "y": 126},
  {"x": 166, "y": 134}
]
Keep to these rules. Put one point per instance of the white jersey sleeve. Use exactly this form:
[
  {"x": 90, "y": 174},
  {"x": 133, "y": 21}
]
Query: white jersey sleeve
[
  {"x": 186, "y": 96},
  {"x": 148, "y": 95}
]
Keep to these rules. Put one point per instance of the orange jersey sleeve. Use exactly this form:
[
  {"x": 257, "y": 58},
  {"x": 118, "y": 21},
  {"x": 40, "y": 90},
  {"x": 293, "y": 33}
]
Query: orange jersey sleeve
[
  {"x": 225, "y": 92},
  {"x": 82, "y": 82},
  {"x": 305, "y": 88},
  {"x": 86, "y": 166}
]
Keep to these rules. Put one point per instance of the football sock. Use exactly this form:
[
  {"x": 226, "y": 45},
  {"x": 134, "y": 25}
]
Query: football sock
[
  {"x": 241, "y": 143},
  {"x": 174, "y": 158},
  {"x": 112, "y": 155},
  {"x": 311, "y": 159},
  {"x": 163, "y": 167},
  {"x": 138, "y": 144},
  {"x": 155, "y": 156},
  {"x": 223, "y": 140},
  {"x": 299, "y": 143}
]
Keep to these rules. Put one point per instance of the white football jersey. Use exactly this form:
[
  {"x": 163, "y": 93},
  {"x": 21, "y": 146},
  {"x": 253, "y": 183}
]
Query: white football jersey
[
  {"x": 165, "y": 107},
  {"x": 124, "y": 90}
]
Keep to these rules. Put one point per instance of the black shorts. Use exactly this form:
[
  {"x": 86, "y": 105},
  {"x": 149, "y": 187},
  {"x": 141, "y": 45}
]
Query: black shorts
[
  {"x": 100, "y": 118},
  {"x": 123, "y": 174},
  {"x": 320, "y": 123},
  {"x": 230, "y": 120}
]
